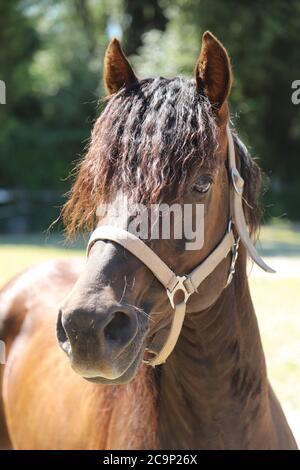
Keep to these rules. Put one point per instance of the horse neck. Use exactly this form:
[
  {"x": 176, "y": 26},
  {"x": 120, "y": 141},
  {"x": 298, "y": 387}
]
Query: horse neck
[{"x": 213, "y": 389}]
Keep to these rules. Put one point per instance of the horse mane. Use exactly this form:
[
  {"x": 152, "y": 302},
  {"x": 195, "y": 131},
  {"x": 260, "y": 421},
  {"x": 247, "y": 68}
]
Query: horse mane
[
  {"x": 150, "y": 141},
  {"x": 147, "y": 141},
  {"x": 252, "y": 177}
]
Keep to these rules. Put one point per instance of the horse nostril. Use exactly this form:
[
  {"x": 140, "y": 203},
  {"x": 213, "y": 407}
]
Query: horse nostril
[
  {"x": 62, "y": 335},
  {"x": 61, "y": 332},
  {"x": 119, "y": 328}
]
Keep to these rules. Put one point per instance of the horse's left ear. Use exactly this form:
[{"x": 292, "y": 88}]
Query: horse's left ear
[
  {"x": 117, "y": 70},
  {"x": 213, "y": 70}
]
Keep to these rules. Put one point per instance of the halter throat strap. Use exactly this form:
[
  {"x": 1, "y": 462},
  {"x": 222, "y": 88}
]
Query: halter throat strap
[{"x": 189, "y": 283}]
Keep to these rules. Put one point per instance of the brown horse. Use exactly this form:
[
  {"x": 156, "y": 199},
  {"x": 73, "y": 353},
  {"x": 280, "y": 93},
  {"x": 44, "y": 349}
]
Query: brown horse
[{"x": 157, "y": 140}]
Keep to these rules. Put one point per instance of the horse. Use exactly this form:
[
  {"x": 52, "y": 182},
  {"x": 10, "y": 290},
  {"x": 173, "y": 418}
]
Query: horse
[{"x": 98, "y": 355}]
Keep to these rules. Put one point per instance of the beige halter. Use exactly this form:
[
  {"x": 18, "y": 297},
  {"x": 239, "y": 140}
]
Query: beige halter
[{"x": 189, "y": 283}]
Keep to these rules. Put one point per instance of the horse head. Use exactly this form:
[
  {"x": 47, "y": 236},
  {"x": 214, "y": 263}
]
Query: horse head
[{"x": 158, "y": 142}]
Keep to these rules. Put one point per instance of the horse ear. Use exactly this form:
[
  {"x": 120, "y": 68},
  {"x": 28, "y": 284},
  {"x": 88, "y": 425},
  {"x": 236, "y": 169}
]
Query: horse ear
[
  {"x": 213, "y": 70},
  {"x": 117, "y": 70}
]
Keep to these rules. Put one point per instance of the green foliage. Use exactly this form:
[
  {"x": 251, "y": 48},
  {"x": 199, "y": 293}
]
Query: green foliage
[
  {"x": 140, "y": 17},
  {"x": 263, "y": 40},
  {"x": 51, "y": 62},
  {"x": 52, "y": 68}
]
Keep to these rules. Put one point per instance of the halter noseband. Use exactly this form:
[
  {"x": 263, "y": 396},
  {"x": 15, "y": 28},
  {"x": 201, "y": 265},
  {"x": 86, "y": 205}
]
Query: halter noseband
[{"x": 189, "y": 283}]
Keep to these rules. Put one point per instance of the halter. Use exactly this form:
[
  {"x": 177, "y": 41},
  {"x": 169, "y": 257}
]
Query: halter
[{"x": 189, "y": 283}]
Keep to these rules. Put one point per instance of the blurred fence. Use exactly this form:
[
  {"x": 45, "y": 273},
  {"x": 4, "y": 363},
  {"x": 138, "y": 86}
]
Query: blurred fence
[{"x": 23, "y": 211}]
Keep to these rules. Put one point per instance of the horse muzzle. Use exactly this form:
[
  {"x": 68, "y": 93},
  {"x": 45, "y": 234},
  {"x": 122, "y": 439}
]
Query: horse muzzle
[{"x": 101, "y": 344}]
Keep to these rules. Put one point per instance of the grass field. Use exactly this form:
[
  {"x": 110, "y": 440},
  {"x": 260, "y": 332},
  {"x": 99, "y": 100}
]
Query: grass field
[{"x": 276, "y": 299}]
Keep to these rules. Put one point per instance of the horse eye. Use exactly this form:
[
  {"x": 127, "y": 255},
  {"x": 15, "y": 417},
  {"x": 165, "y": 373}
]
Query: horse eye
[{"x": 203, "y": 184}]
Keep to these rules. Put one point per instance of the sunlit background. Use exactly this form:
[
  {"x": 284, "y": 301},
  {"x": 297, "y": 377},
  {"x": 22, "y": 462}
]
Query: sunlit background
[{"x": 51, "y": 63}]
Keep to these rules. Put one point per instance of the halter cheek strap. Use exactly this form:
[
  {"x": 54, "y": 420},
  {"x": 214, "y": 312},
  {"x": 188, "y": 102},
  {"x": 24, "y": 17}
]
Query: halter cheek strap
[
  {"x": 189, "y": 283},
  {"x": 236, "y": 209}
]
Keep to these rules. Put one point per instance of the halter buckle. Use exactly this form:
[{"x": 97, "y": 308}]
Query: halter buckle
[{"x": 180, "y": 286}]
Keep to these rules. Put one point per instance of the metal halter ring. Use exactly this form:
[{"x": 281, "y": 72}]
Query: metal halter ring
[{"x": 180, "y": 286}]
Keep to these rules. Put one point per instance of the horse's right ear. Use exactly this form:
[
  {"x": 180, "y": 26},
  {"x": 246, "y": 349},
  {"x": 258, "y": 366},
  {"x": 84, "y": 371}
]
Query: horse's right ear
[
  {"x": 117, "y": 70},
  {"x": 213, "y": 70}
]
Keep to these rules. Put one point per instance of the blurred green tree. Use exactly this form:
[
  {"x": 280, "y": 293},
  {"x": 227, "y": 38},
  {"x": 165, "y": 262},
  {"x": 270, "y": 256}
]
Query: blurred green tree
[
  {"x": 263, "y": 40},
  {"x": 140, "y": 17},
  {"x": 19, "y": 42},
  {"x": 51, "y": 62}
]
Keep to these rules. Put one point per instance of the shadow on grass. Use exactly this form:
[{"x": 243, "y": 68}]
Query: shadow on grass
[
  {"x": 53, "y": 240},
  {"x": 279, "y": 249},
  {"x": 280, "y": 240}
]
